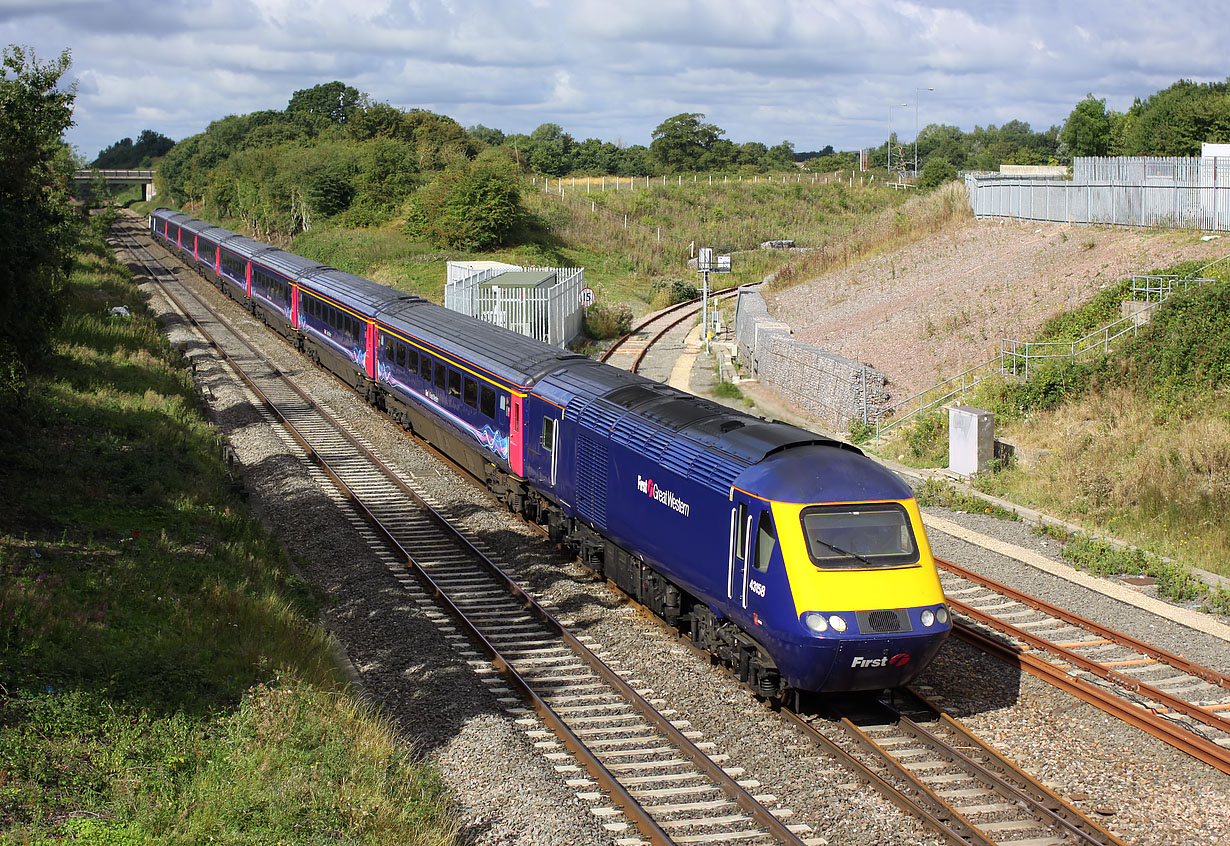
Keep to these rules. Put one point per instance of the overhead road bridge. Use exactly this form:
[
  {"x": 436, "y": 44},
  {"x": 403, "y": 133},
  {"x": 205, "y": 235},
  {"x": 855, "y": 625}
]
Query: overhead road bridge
[{"x": 120, "y": 177}]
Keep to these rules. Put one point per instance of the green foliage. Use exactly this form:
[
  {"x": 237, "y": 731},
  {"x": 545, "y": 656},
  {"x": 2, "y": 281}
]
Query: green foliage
[
  {"x": 470, "y": 206},
  {"x": 40, "y": 230},
  {"x": 160, "y": 660},
  {"x": 125, "y": 155},
  {"x": 603, "y": 321},
  {"x": 860, "y": 432},
  {"x": 329, "y": 104},
  {"x": 669, "y": 290},
  {"x": 936, "y": 172},
  {"x": 927, "y": 439},
  {"x": 1174, "y": 581},
  {"x": 1086, "y": 132},
  {"x": 942, "y": 494},
  {"x": 1175, "y": 120},
  {"x": 1184, "y": 351},
  {"x": 680, "y": 142}
]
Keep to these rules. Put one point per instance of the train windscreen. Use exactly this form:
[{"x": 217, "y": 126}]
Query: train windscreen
[{"x": 844, "y": 537}]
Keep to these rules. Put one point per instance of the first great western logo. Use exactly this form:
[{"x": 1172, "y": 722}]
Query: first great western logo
[{"x": 667, "y": 498}]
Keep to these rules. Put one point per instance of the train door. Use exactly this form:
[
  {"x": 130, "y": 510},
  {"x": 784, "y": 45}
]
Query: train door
[
  {"x": 740, "y": 549},
  {"x": 515, "y": 426}
]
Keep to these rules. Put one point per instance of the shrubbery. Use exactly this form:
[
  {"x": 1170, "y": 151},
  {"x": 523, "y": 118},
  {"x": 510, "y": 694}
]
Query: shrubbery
[
  {"x": 603, "y": 321},
  {"x": 471, "y": 206}
]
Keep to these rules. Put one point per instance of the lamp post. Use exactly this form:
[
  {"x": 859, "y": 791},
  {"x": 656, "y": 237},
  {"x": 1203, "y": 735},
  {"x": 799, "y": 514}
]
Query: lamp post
[
  {"x": 890, "y": 139},
  {"x": 916, "y": 90}
]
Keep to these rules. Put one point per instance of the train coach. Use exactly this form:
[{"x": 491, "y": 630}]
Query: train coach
[{"x": 793, "y": 558}]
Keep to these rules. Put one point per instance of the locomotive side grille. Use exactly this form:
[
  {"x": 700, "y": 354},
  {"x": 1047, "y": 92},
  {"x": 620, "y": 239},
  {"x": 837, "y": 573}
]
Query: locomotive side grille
[
  {"x": 592, "y": 472},
  {"x": 883, "y": 622}
]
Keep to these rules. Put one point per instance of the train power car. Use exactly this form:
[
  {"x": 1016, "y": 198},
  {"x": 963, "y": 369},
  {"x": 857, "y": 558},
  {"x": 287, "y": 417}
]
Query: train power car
[{"x": 793, "y": 558}]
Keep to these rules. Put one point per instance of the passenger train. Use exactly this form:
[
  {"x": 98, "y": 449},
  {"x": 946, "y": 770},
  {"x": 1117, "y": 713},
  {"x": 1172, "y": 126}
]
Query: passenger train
[{"x": 791, "y": 557}]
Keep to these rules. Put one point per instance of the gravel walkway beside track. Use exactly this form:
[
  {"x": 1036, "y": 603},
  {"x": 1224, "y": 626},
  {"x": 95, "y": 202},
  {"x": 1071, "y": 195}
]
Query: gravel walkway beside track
[{"x": 508, "y": 793}]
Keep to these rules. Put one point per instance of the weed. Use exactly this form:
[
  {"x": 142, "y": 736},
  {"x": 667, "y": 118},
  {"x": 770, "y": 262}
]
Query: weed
[
  {"x": 860, "y": 432},
  {"x": 727, "y": 390},
  {"x": 938, "y": 492},
  {"x": 603, "y": 321}
]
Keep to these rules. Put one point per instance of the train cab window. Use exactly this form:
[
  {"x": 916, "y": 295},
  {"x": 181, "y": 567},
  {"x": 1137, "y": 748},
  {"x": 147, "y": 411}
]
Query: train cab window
[
  {"x": 859, "y": 536},
  {"x": 766, "y": 542},
  {"x": 440, "y": 375},
  {"x": 487, "y": 406},
  {"x": 454, "y": 384},
  {"x": 470, "y": 394},
  {"x": 548, "y": 434},
  {"x": 412, "y": 360},
  {"x": 425, "y": 368}
]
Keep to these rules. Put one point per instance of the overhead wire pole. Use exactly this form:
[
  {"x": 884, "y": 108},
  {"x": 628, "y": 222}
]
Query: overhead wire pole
[{"x": 916, "y": 90}]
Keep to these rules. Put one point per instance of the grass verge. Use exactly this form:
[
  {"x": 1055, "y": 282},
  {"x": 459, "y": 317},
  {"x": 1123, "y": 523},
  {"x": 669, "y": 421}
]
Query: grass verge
[{"x": 161, "y": 677}]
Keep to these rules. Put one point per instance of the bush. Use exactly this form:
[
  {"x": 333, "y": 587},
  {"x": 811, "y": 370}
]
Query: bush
[
  {"x": 666, "y": 291},
  {"x": 603, "y": 321},
  {"x": 471, "y": 206},
  {"x": 936, "y": 172},
  {"x": 927, "y": 439}
]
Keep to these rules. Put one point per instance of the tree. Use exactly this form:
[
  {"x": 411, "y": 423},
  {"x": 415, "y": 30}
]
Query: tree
[
  {"x": 1087, "y": 130},
  {"x": 1175, "y": 120},
  {"x": 473, "y": 205},
  {"x": 680, "y": 142},
  {"x": 936, "y": 172},
  {"x": 124, "y": 154},
  {"x": 40, "y": 232},
  {"x": 332, "y": 103},
  {"x": 490, "y": 137}
]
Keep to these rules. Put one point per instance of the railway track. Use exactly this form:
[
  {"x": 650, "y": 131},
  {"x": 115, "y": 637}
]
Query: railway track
[
  {"x": 665, "y": 781},
  {"x": 1164, "y": 694},
  {"x": 628, "y": 352},
  {"x": 931, "y": 766},
  {"x": 632, "y": 759}
]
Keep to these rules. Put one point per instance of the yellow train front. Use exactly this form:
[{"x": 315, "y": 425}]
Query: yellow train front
[{"x": 830, "y": 571}]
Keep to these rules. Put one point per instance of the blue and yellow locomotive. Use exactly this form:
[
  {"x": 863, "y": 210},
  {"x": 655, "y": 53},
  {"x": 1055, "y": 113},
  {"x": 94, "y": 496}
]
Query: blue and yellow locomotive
[{"x": 793, "y": 558}]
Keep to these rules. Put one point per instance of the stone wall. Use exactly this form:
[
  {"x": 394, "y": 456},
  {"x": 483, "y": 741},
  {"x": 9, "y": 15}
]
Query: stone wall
[{"x": 834, "y": 389}]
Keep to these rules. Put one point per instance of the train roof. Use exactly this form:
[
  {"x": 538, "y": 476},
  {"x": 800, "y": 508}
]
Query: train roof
[
  {"x": 337, "y": 284},
  {"x": 848, "y": 476},
  {"x": 289, "y": 264},
  {"x": 698, "y": 438},
  {"x": 245, "y": 247},
  {"x": 510, "y": 356}
]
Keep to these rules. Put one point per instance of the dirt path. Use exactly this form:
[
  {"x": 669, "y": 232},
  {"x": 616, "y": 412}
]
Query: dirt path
[{"x": 929, "y": 311}]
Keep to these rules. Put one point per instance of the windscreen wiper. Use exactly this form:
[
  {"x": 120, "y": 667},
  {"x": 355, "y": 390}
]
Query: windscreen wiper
[{"x": 847, "y": 553}]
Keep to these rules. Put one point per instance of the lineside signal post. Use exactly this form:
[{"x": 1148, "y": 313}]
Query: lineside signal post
[{"x": 710, "y": 260}]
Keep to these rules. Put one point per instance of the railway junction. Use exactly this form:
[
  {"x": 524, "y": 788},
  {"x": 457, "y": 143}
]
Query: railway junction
[{"x": 518, "y": 783}]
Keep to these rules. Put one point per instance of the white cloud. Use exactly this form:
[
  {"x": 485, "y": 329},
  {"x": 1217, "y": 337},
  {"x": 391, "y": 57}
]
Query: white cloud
[{"x": 809, "y": 71}]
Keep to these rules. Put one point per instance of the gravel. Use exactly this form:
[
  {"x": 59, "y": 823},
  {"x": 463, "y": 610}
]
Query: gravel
[
  {"x": 508, "y": 793},
  {"x": 931, "y": 310}
]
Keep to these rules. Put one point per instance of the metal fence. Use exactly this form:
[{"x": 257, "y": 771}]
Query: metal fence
[
  {"x": 553, "y": 315},
  {"x": 1185, "y": 193},
  {"x": 1015, "y": 357}
]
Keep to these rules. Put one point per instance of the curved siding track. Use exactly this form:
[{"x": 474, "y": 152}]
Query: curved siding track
[{"x": 629, "y": 351}]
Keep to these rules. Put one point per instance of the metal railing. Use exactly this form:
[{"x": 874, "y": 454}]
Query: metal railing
[
  {"x": 1015, "y": 356},
  {"x": 553, "y": 315}
]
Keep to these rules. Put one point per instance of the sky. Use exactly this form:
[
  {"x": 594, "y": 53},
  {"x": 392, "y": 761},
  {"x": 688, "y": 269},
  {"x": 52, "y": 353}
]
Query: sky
[{"x": 810, "y": 72}]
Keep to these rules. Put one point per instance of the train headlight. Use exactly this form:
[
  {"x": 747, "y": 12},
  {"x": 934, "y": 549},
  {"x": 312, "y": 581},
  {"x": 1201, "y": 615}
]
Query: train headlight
[
  {"x": 941, "y": 614},
  {"x": 928, "y": 618},
  {"x": 837, "y": 622},
  {"x": 815, "y": 622}
]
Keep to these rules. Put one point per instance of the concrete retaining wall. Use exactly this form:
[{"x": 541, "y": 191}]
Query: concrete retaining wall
[{"x": 834, "y": 389}]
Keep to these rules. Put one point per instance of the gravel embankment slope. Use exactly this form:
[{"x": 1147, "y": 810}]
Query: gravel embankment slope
[{"x": 932, "y": 310}]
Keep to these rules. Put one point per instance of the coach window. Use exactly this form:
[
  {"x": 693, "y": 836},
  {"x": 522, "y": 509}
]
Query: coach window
[
  {"x": 470, "y": 394},
  {"x": 766, "y": 542},
  {"x": 425, "y": 368},
  {"x": 488, "y": 402},
  {"x": 440, "y": 377},
  {"x": 454, "y": 384},
  {"x": 412, "y": 360},
  {"x": 401, "y": 355}
]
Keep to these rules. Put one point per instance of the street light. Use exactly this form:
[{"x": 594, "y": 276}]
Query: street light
[
  {"x": 916, "y": 90},
  {"x": 890, "y": 138}
]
